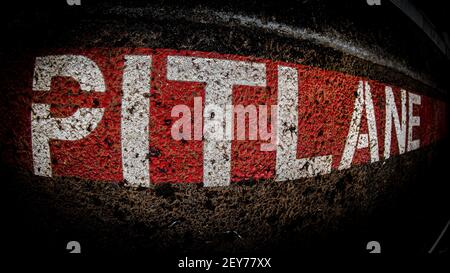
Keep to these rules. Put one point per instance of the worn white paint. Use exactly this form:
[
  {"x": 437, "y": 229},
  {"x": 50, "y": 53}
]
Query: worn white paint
[
  {"x": 399, "y": 124},
  {"x": 214, "y": 128},
  {"x": 413, "y": 121},
  {"x": 44, "y": 127},
  {"x": 356, "y": 140},
  {"x": 219, "y": 76},
  {"x": 217, "y": 129},
  {"x": 198, "y": 113},
  {"x": 288, "y": 167},
  {"x": 135, "y": 120}
]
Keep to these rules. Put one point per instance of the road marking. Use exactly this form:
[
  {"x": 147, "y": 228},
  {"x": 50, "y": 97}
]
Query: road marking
[{"x": 319, "y": 120}]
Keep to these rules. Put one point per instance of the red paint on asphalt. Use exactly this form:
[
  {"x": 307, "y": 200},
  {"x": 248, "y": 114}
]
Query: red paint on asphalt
[{"x": 326, "y": 101}]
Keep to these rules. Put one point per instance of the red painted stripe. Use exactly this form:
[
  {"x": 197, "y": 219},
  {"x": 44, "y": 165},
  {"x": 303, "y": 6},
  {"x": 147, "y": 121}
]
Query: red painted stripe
[{"x": 326, "y": 101}]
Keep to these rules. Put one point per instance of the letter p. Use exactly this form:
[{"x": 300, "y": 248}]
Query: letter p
[{"x": 43, "y": 126}]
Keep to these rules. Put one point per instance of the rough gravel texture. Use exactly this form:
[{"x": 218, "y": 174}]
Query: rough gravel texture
[{"x": 391, "y": 199}]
